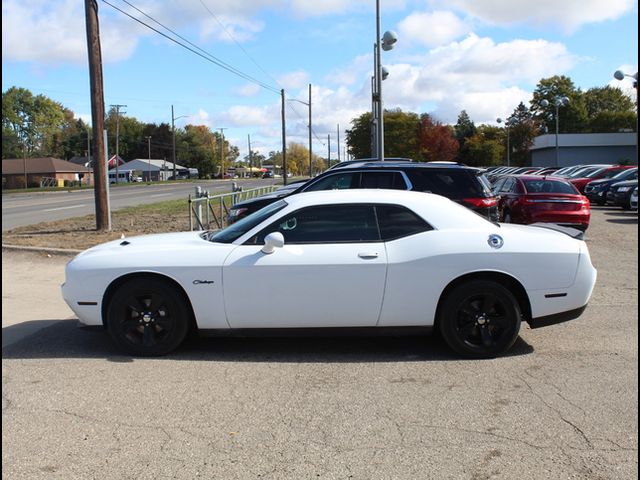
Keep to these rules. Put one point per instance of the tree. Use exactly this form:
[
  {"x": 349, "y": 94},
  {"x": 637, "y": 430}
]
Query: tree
[
  {"x": 436, "y": 141},
  {"x": 358, "y": 137},
  {"x": 464, "y": 129},
  {"x": 572, "y": 116},
  {"x": 609, "y": 110},
  {"x": 484, "y": 148},
  {"x": 201, "y": 149},
  {"x": 32, "y": 120},
  {"x": 522, "y": 130},
  {"x": 400, "y": 135}
]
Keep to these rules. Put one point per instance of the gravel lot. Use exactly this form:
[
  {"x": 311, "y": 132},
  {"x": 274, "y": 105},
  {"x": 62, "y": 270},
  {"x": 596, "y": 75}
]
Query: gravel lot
[{"x": 562, "y": 405}]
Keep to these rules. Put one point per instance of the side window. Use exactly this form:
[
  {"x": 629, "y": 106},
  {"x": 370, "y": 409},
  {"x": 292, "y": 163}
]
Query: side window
[
  {"x": 498, "y": 185},
  {"x": 396, "y": 222},
  {"x": 508, "y": 185},
  {"x": 338, "y": 181},
  {"x": 390, "y": 180},
  {"x": 325, "y": 224}
]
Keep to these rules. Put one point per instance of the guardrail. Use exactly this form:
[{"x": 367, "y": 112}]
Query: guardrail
[{"x": 216, "y": 207}]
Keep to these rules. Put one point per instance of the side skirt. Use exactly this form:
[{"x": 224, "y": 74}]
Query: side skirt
[{"x": 316, "y": 332}]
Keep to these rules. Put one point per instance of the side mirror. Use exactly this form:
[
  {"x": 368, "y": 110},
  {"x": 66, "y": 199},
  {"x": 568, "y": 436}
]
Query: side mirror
[{"x": 272, "y": 241}]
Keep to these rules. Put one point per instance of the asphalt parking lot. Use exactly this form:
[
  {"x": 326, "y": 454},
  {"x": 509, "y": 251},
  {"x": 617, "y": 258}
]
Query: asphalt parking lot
[{"x": 563, "y": 404}]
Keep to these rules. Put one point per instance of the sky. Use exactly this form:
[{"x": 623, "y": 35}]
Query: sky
[{"x": 481, "y": 56}]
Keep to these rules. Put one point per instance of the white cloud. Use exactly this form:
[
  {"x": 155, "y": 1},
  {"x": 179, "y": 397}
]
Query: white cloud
[
  {"x": 432, "y": 29},
  {"x": 245, "y": 116},
  {"x": 567, "y": 14},
  {"x": 248, "y": 90},
  {"x": 461, "y": 74},
  {"x": 293, "y": 80}
]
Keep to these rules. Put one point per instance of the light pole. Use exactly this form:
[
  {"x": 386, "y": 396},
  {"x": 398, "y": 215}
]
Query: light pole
[
  {"x": 558, "y": 102},
  {"x": 173, "y": 134},
  {"x": 148, "y": 137},
  {"x": 619, "y": 75},
  {"x": 386, "y": 43},
  {"x": 310, "y": 150},
  {"x": 506, "y": 126}
]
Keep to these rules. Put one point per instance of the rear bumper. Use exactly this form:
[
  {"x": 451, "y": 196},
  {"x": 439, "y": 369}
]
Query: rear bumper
[{"x": 556, "y": 318}]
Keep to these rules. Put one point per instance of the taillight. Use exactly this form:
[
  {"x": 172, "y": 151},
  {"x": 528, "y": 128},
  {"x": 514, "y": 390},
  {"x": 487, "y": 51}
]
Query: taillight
[{"x": 481, "y": 202}]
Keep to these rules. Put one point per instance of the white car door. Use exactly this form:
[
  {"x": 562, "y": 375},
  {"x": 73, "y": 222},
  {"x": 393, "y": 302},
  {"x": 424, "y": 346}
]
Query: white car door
[{"x": 330, "y": 272}]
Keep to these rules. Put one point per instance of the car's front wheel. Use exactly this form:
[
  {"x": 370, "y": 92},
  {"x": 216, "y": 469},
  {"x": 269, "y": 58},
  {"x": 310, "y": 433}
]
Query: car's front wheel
[
  {"x": 147, "y": 317},
  {"x": 480, "y": 319}
]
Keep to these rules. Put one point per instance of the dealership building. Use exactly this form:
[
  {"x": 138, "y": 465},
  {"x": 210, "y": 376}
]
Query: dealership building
[{"x": 584, "y": 148}]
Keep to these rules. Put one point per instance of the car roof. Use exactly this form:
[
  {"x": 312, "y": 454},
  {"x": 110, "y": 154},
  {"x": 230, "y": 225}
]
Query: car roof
[
  {"x": 440, "y": 211},
  {"x": 363, "y": 161},
  {"x": 532, "y": 176},
  {"x": 404, "y": 164}
]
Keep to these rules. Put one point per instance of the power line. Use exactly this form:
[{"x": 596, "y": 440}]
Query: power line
[
  {"x": 238, "y": 44},
  {"x": 207, "y": 56}
]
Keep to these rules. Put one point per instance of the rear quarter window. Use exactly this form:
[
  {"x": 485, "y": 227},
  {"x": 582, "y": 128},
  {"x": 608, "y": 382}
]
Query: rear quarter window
[
  {"x": 449, "y": 183},
  {"x": 396, "y": 222}
]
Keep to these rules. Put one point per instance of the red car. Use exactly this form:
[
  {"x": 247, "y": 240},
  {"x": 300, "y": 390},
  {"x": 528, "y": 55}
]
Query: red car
[
  {"x": 604, "y": 172},
  {"x": 529, "y": 199}
]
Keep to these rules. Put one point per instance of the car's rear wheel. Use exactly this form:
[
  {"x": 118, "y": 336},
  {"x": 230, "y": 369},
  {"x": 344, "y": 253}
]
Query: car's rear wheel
[
  {"x": 147, "y": 317},
  {"x": 507, "y": 217},
  {"x": 480, "y": 319}
]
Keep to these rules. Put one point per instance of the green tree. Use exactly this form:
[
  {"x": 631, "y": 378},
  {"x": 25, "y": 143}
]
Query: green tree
[
  {"x": 400, "y": 135},
  {"x": 484, "y": 149},
  {"x": 572, "y": 116},
  {"x": 609, "y": 110},
  {"x": 521, "y": 128},
  {"x": 32, "y": 120},
  {"x": 464, "y": 128}
]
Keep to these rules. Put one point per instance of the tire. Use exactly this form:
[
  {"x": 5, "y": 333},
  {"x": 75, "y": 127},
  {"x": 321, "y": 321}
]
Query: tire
[
  {"x": 480, "y": 319},
  {"x": 507, "y": 217},
  {"x": 147, "y": 317}
]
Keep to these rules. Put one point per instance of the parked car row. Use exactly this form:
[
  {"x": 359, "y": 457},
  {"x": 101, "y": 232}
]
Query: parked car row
[
  {"x": 563, "y": 196},
  {"x": 465, "y": 185},
  {"x": 522, "y": 195}
]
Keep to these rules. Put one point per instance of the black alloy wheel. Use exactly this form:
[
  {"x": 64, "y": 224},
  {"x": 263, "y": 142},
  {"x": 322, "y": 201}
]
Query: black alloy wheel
[
  {"x": 146, "y": 317},
  {"x": 480, "y": 319}
]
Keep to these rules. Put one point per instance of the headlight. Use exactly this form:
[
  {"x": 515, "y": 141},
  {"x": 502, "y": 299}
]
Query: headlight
[{"x": 624, "y": 189}]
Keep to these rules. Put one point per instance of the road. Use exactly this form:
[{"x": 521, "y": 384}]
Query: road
[
  {"x": 563, "y": 404},
  {"x": 21, "y": 209}
]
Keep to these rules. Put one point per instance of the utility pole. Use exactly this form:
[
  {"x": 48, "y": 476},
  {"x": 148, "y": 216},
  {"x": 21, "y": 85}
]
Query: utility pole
[
  {"x": 148, "y": 137},
  {"x": 338, "y": 143},
  {"x": 284, "y": 142},
  {"x": 222, "y": 129},
  {"x": 310, "y": 148},
  {"x": 117, "y": 107},
  {"x": 250, "y": 160},
  {"x": 97, "y": 114},
  {"x": 328, "y": 150},
  {"x": 173, "y": 135}
]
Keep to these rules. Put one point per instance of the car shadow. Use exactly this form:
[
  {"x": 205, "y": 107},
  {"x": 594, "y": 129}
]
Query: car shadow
[
  {"x": 65, "y": 339},
  {"x": 623, "y": 217}
]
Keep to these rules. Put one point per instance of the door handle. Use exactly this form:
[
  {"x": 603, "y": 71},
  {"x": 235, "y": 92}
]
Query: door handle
[{"x": 368, "y": 254}]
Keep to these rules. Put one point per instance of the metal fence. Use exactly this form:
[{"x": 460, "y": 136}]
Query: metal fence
[{"x": 209, "y": 211}]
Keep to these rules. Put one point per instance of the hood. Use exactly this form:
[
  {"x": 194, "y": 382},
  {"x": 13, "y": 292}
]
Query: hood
[{"x": 164, "y": 249}]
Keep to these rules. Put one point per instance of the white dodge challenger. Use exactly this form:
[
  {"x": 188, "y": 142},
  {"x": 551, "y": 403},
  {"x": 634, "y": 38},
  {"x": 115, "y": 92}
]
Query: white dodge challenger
[{"x": 372, "y": 260}]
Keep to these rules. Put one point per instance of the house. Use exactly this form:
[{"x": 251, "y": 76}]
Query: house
[
  {"x": 43, "y": 171},
  {"x": 149, "y": 169},
  {"x": 584, "y": 148},
  {"x": 87, "y": 161}
]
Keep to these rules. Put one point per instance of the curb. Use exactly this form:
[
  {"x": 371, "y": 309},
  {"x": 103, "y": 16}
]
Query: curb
[{"x": 59, "y": 251}]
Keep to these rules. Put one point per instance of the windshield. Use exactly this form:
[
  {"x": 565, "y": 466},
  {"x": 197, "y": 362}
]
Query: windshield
[
  {"x": 235, "y": 231},
  {"x": 594, "y": 173},
  {"x": 626, "y": 173}
]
